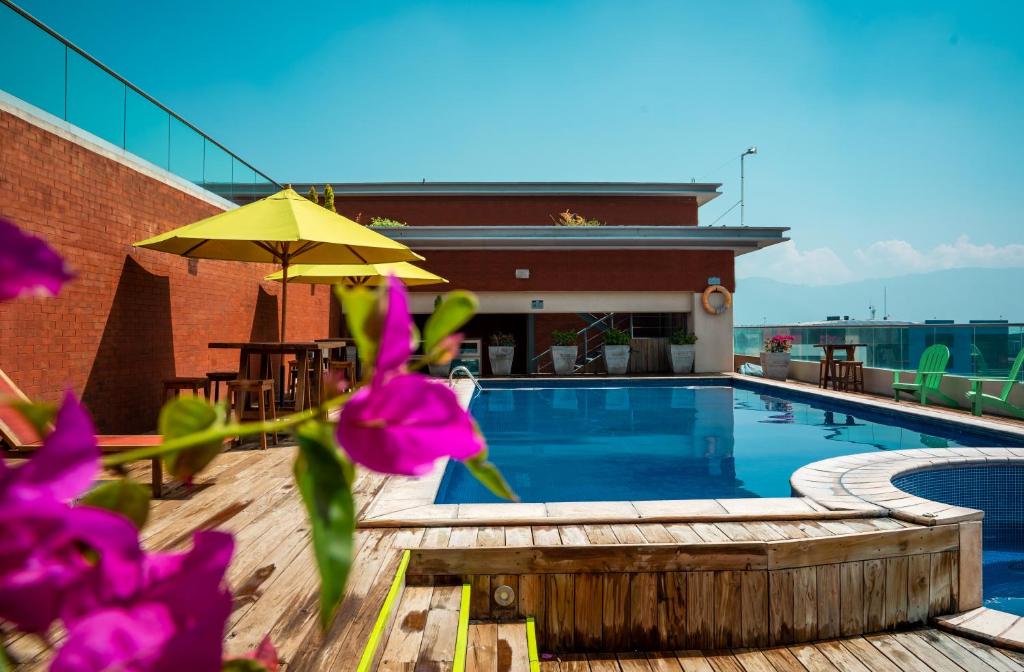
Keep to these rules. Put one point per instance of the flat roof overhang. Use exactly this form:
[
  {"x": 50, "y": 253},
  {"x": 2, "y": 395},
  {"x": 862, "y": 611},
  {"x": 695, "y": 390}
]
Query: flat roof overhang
[
  {"x": 702, "y": 191},
  {"x": 740, "y": 240}
]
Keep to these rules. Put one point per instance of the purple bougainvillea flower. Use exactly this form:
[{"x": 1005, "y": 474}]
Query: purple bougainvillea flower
[
  {"x": 175, "y": 621},
  {"x": 28, "y": 266},
  {"x": 404, "y": 425}
]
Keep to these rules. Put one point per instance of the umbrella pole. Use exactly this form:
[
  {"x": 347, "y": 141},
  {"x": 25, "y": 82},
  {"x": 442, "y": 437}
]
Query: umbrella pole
[{"x": 284, "y": 296}]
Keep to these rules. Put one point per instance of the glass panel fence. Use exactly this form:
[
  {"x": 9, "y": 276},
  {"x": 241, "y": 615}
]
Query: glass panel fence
[
  {"x": 975, "y": 349},
  {"x": 45, "y": 70}
]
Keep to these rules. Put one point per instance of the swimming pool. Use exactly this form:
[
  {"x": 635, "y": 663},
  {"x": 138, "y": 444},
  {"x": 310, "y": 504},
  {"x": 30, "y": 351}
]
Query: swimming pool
[
  {"x": 998, "y": 490},
  {"x": 593, "y": 440}
]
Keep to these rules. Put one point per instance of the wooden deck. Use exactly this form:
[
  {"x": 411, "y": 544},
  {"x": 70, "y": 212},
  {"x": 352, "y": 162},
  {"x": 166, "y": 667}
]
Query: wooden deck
[{"x": 252, "y": 494}]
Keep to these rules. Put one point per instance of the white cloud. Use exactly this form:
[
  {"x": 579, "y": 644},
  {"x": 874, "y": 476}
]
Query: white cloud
[{"x": 881, "y": 259}]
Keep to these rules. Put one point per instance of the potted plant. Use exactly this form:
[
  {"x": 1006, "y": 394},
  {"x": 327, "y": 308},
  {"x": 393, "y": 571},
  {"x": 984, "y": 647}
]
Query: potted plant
[
  {"x": 439, "y": 370},
  {"x": 616, "y": 351},
  {"x": 501, "y": 351},
  {"x": 564, "y": 351},
  {"x": 682, "y": 351},
  {"x": 775, "y": 358}
]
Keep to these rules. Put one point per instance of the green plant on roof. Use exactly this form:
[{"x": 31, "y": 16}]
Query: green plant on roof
[
  {"x": 616, "y": 337},
  {"x": 503, "y": 340},
  {"x": 569, "y": 218},
  {"x": 563, "y": 337},
  {"x": 329, "y": 197},
  {"x": 313, "y": 195},
  {"x": 386, "y": 223},
  {"x": 683, "y": 337}
]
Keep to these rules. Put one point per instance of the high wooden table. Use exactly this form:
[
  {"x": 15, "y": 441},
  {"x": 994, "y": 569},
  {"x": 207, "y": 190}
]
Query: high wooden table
[
  {"x": 830, "y": 359},
  {"x": 302, "y": 350}
]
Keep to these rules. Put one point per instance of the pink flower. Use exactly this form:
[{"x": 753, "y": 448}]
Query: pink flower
[
  {"x": 28, "y": 265},
  {"x": 402, "y": 423},
  {"x": 174, "y": 621},
  {"x": 57, "y": 560}
]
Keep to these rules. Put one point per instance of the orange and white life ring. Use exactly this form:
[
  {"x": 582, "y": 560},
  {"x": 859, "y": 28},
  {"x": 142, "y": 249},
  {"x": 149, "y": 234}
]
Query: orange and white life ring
[{"x": 726, "y": 299}]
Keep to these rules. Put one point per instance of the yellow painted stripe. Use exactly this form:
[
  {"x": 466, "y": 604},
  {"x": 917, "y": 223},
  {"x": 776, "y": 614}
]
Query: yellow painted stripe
[
  {"x": 377, "y": 636},
  {"x": 462, "y": 638},
  {"x": 531, "y": 644}
]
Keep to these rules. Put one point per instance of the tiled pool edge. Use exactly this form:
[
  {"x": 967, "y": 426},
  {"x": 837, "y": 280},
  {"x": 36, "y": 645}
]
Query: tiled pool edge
[{"x": 866, "y": 480}]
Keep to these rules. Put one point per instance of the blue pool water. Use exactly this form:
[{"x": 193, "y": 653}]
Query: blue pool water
[{"x": 599, "y": 440}]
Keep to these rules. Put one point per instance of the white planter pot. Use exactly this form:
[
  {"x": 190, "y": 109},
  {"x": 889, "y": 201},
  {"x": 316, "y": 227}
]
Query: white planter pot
[
  {"x": 501, "y": 359},
  {"x": 564, "y": 358},
  {"x": 682, "y": 358},
  {"x": 616, "y": 359},
  {"x": 775, "y": 365},
  {"x": 439, "y": 370}
]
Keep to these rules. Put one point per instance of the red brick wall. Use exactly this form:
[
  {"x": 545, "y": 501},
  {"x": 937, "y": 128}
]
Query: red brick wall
[
  {"x": 521, "y": 210},
  {"x": 132, "y": 317},
  {"x": 584, "y": 270}
]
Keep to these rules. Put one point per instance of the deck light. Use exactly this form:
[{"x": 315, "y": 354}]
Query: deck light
[{"x": 750, "y": 150}]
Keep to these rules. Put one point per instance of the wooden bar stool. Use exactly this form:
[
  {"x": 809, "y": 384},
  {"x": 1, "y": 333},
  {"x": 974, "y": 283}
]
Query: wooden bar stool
[
  {"x": 174, "y": 386},
  {"x": 347, "y": 369},
  {"x": 293, "y": 379},
  {"x": 263, "y": 391},
  {"x": 850, "y": 376},
  {"x": 218, "y": 377}
]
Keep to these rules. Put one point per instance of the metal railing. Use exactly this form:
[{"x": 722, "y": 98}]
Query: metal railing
[
  {"x": 596, "y": 326},
  {"x": 48, "y": 71},
  {"x": 469, "y": 374},
  {"x": 977, "y": 349}
]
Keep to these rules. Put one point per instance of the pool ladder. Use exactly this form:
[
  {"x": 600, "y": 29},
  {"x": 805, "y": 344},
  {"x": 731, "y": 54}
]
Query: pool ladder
[{"x": 469, "y": 374}]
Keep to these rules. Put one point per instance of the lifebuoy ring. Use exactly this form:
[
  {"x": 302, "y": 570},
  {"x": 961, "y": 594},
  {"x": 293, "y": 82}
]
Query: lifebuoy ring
[{"x": 726, "y": 302}]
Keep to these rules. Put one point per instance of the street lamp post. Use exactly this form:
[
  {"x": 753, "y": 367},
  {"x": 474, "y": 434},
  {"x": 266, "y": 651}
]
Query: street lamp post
[{"x": 750, "y": 150}]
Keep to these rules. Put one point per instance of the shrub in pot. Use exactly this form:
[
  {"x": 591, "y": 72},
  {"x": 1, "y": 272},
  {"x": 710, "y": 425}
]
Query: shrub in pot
[
  {"x": 683, "y": 351},
  {"x": 775, "y": 358},
  {"x": 616, "y": 351},
  {"x": 501, "y": 351},
  {"x": 564, "y": 351}
]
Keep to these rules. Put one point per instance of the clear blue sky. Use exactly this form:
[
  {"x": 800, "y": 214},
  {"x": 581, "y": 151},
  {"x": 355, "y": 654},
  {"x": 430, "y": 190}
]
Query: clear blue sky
[{"x": 876, "y": 121}]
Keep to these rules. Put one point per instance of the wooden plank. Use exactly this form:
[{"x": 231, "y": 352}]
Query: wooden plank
[
  {"x": 841, "y": 657},
  {"x": 573, "y": 535},
  {"x": 463, "y": 537},
  {"x": 829, "y": 612},
  {"x": 897, "y": 653},
  {"x": 482, "y": 648},
  {"x": 812, "y": 659},
  {"x": 595, "y": 559},
  {"x": 403, "y": 643},
  {"x": 753, "y": 661},
  {"x": 918, "y": 579},
  {"x": 728, "y": 614},
  {"x": 513, "y": 650},
  {"x": 724, "y": 662},
  {"x": 756, "y": 615},
  {"x": 851, "y": 598},
  {"x": 932, "y": 657},
  {"x": 600, "y": 534},
  {"x": 683, "y": 533},
  {"x": 940, "y": 586},
  {"x": 874, "y": 595},
  {"x": 896, "y": 588},
  {"x": 693, "y": 661},
  {"x": 700, "y": 609},
  {"x": 587, "y": 616},
  {"x": 628, "y": 534},
  {"x": 480, "y": 597},
  {"x": 872, "y": 658},
  {"x": 491, "y": 536},
  {"x": 531, "y": 597},
  {"x": 962, "y": 657},
  {"x": 782, "y": 659},
  {"x": 643, "y": 610},
  {"x": 546, "y": 535},
  {"x": 996, "y": 659},
  {"x": 673, "y": 628},
  {"x": 655, "y": 533},
  {"x": 970, "y": 566},
  {"x": 780, "y": 600},
  {"x": 558, "y": 617},
  {"x": 862, "y": 546},
  {"x": 441, "y": 629},
  {"x": 436, "y": 537},
  {"x": 520, "y": 535},
  {"x": 615, "y": 612},
  {"x": 805, "y": 600}
]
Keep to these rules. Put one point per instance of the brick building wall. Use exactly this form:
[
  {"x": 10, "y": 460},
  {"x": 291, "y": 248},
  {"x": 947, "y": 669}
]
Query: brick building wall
[{"x": 132, "y": 317}]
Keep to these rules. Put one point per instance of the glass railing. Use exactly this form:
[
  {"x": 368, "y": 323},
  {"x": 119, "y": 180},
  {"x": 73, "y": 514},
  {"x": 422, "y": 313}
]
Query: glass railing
[
  {"x": 42, "y": 68},
  {"x": 976, "y": 349}
]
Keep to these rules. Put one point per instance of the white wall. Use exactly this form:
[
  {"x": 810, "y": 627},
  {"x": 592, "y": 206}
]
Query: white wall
[
  {"x": 569, "y": 302},
  {"x": 714, "y": 339}
]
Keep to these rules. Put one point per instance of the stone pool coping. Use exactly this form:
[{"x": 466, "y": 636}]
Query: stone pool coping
[{"x": 864, "y": 483}]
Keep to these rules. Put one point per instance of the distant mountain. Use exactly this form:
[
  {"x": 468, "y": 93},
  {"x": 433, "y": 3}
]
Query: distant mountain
[{"x": 960, "y": 294}]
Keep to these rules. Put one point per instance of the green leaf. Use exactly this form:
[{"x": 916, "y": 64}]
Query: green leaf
[
  {"x": 124, "y": 496},
  {"x": 363, "y": 318},
  {"x": 489, "y": 476},
  {"x": 325, "y": 479},
  {"x": 184, "y": 416},
  {"x": 455, "y": 309},
  {"x": 38, "y": 414}
]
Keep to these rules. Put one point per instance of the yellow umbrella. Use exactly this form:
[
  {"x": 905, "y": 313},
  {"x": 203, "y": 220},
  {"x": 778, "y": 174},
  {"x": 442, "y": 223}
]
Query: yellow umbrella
[
  {"x": 358, "y": 274},
  {"x": 281, "y": 229}
]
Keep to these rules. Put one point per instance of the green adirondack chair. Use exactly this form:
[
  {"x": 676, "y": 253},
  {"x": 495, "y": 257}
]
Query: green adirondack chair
[
  {"x": 926, "y": 383},
  {"x": 979, "y": 399}
]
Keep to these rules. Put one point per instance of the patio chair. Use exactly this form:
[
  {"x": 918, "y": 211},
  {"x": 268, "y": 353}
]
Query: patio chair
[
  {"x": 20, "y": 436},
  {"x": 979, "y": 400},
  {"x": 926, "y": 383}
]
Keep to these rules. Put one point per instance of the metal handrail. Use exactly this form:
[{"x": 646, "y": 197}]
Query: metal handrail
[
  {"x": 585, "y": 332},
  {"x": 469, "y": 374},
  {"x": 81, "y": 52}
]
